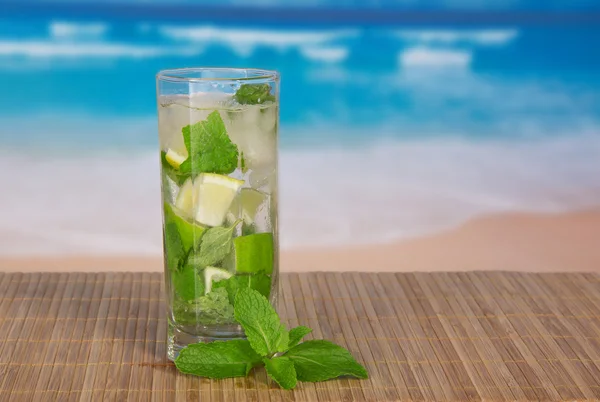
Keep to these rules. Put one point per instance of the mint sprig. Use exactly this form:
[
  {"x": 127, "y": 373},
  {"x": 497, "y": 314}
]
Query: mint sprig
[
  {"x": 269, "y": 344},
  {"x": 262, "y": 326},
  {"x": 209, "y": 147},
  {"x": 218, "y": 359},
  {"x": 215, "y": 245},
  {"x": 320, "y": 360},
  {"x": 296, "y": 335},
  {"x": 281, "y": 369},
  {"x": 260, "y": 282},
  {"x": 254, "y": 94}
]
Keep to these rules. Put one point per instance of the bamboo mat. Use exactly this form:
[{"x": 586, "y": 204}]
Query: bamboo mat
[{"x": 423, "y": 336}]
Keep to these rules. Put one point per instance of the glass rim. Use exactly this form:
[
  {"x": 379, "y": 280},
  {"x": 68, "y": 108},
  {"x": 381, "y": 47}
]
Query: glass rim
[{"x": 245, "y": 74}]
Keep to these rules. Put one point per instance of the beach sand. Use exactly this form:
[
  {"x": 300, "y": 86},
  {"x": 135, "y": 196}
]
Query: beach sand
[{"x": 513, "y": 242}]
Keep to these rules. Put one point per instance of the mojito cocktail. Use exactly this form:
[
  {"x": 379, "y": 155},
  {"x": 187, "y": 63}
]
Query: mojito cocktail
[{"x": 218, "y": 131}]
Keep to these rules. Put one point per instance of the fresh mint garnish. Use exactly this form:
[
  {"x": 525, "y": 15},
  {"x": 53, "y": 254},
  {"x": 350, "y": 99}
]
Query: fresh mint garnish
[
  {"x": 262, "y": 326},
  {"x": 209, "y": 147},
  {"x": 254, "y": 94},
  {"x": 321, "y": 360},
  {"x": 218, "y": 359},
  {"x": 259, "y": 282},
  {"x": 296, "y": 335},
  {"x": 268, "y": 344},
  {"x": 215, "y": 245},
  {"x": 281, "y": 369}
]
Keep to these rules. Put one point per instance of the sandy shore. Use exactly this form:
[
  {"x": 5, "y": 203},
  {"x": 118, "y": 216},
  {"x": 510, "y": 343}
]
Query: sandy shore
[{"x": 515, "y": 242}]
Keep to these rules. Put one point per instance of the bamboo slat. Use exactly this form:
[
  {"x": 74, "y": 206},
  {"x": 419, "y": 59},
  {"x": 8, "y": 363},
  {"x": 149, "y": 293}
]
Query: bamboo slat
[{"x": 493, "y": 336}]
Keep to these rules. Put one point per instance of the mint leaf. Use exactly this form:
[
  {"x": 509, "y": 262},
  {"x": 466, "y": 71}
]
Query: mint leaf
[
  {"x": 216, "y": 243},
  {"x": 261, "y": 323},
  {"x": 259, "y": 282},
  {"x": 296, "y": 335},
  {"x": 253, "y": 94},
  {"x": 231, "y": 285},
  {"x": 281, "y": 369},
  {"x": 209, "y": 147},
  {"x": 174, "y": 174},
  {"x": 173, "y": 247},
  {"x": 322, "y": 360},
  {"x": 218, "y": 359},
  {"x": 187, "y": 283},
  {"x": 213, "y": 308}
]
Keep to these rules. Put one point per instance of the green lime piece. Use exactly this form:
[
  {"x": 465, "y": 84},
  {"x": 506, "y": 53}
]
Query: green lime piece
[
  {"x": 189, "y": 232},
  {"x": 259, "y": 282},
  {"x": 214, "y": 274},
  {"x": 254, "y": 253}
]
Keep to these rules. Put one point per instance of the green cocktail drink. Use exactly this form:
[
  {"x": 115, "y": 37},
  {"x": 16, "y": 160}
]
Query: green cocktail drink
[{"x": 218, "y": 131}]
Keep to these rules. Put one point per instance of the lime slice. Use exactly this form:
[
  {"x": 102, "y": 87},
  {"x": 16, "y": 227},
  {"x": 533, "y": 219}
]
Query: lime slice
[
  {"x": 185, "y": 198},
  {"x": 254, "y": 253},
  {"x": 213, "y": 274},
  {"x": 190, "y": 232},
  {"x": 214, "y": 194},
  {"x": 174, "y": 158}
]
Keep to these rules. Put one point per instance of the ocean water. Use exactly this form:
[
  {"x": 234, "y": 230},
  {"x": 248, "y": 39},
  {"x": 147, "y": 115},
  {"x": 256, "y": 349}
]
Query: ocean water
[{"x": 387, "y": 131}]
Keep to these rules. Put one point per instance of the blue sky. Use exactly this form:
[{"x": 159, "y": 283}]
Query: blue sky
[{"x": 386, "y": 4}]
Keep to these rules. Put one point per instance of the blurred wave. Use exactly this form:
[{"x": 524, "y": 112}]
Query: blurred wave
[{"x": 378, "y": 193}]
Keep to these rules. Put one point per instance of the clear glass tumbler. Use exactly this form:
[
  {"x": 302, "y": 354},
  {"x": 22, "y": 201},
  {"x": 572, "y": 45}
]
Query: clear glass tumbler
[{"x": 218, "y": 132}]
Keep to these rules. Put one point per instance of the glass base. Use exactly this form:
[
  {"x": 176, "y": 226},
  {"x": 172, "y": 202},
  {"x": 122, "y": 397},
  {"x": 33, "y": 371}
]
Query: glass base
[{"x": 177, "y": 338}]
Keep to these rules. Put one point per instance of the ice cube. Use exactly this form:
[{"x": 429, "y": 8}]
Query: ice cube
[
  {"x": 171, "y": 119},
  {"x": 268, "y": 118},
  {"x": 258, "y": 146},
  {"x": 263, "y": 177}
]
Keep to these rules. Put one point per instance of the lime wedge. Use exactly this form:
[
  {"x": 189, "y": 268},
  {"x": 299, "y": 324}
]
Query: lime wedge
[
  {"x": 213, "y": 274},
  {"x": 214, "y": 194},
  {"x": 254, "y": 253},
  {"x": 185, "y": 198},
  {"x": 190, "y": 232},
  {"x": 174, "y": 158}
]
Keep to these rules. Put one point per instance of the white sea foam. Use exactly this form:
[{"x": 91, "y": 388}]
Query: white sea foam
[
  {"x": 388, "y": 191},
  {"x": 314, "y": 44},
  {"x": 77, "y": 31},
  {"x": 99, "y": 49},
  {"x": 493, "y": 37},
  {"x": 427, "y": 57}
]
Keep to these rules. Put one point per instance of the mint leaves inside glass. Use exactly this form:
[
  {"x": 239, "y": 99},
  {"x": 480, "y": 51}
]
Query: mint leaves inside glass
[{"x": 219, "y": 184}]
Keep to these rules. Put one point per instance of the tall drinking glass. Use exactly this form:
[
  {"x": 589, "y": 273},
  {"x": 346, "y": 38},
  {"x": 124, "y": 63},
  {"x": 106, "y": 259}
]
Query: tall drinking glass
[{"x": 218, "y": 131}]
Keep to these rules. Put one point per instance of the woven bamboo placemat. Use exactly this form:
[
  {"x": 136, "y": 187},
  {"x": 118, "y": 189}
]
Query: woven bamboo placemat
[{"x": 422, "y": 336}]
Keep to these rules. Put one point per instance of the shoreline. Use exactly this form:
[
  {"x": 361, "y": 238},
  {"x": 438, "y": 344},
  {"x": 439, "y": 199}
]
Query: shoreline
[{"x": 508, "y": 242}]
